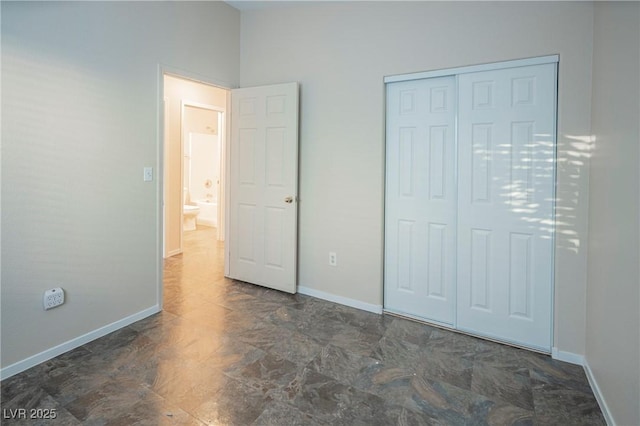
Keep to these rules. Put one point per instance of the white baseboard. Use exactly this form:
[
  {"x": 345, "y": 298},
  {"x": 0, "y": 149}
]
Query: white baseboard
[
  {"x": 46, "y": 355},
  {"x": 369, "y": 307},
  {"x": 173, "y": 252},
  {"x": 596, "y": 392},
  {"x": 212, "y": 223},
  {"x": 580, "y": 360},
  {"x": 567, "y": 356}
]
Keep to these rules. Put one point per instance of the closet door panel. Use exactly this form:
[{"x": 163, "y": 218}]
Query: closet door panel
[
  {"x": 505, "y": 204},
  {"x": 420, "y": 224}
]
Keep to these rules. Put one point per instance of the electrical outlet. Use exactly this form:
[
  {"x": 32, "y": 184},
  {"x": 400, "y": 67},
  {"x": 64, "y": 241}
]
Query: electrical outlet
[
  {"x": 148, "y": 174},
  {"x": 53, "y": 298},
  {"x": 333, "y": 258}
]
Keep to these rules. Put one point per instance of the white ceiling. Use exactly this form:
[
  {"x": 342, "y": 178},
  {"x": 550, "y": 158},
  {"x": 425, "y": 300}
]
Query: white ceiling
[{"x": 242, "y": 5}]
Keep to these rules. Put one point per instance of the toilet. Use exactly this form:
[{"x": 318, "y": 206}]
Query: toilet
[{"x": 189, "y": 213}]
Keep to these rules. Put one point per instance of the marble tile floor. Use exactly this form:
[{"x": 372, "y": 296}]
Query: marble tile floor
[{"x": 228, "y": 353}]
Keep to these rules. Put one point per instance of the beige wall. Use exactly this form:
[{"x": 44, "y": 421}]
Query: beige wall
[
  {"x": 340, "y": 54},
  {"x": 613, "y": 318},
  {"x": 176, "y": 91},
  {"x": 80, "y": 114}
]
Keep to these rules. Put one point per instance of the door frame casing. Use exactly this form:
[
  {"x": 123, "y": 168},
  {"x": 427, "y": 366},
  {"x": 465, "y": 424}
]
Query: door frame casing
[
  {"x": 491, "y": 66},
  {"x": 456, "y": 71}
]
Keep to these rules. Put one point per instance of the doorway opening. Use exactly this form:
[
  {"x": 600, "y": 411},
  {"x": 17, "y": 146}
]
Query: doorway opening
[
  {"x": 256, "y": 192},
  {"x": 195, "y": 135}
]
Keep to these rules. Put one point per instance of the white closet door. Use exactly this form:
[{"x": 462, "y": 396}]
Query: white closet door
[
  {"x": 505, "y": 204},
  {"x": 420, "y": 213}
]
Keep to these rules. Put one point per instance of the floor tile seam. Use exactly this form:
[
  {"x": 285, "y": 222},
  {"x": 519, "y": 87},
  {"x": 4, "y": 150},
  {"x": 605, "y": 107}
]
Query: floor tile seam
[
  {"x": 174, "y": 302},
  {"x": 558, "y": 387},
  {"x": 435, "y": 378},
  {"x": 200, "y": 328},
  {"x": 213, "y": 355},
  {"x": 354, "y": 355},
  {"x": 504, "y": 370},
  {"x": 292, "y": 359},
  {"x": 120, "y": 345},
  {"x": 86, "y": 390},
  {"x": 512, "y": 370},
  {"x": 355, "y": 384},
  {"x": 475, "y": 393},
  {"x": 190, "y": 316},
  {"x": 320, "y": 341},
  {"x": 348, "y": 385},
  {"x": 239, "y": 383},
  {"x": 59, "y": 403},
  {"x": 160, "y": 330},
  {"x": 573, "y": 384},
  {"x": 260, "y": 317},
  {"x": 346, "y": 325},
  {"x": 254, "y": 423},
  {"x": 366, "y": 350},
  {"x": 176, "y": 404},
  {"x": 139, "y": 385},
  {"x": 16, "y": 398},
  {"x": 496, "y": 398},
  {"x": 303, "y": 332},
  {"x": 161, "y": 313},
  {"x": 415, "y": 408}
]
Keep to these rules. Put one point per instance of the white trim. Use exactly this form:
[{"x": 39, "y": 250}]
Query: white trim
[
  {"x": 160, "y": 187},
  {"x": 421, "y": 320},
  {"x": 608, "y": 417},
  {"x": 201, "y": 105},
  {"x": 554, "y": 213},
  {"x": 206, "y": 222},
  {"x": 369, "y": 307},
  {"x": 192, "y": 76},
  {"x": 473, "y": 68},
  {"x": 567, "y": 356},
  {"x": 174, "y": 252},
  {"x": 53, "y": 352}
]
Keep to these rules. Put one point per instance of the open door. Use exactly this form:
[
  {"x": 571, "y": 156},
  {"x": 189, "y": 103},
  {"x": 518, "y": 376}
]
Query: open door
[{"x": 263, "y": 208}]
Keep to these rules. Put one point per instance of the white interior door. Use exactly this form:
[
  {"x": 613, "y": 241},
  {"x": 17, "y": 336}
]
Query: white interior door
[
  {"x": 505, "y": 204},
  {"x": 263, "y": 185},
  {"x": 420, "y": 213}
]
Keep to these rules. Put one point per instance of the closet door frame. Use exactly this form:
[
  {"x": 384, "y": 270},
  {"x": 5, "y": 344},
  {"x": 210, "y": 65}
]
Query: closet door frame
[{"x": 455, "y": 72}]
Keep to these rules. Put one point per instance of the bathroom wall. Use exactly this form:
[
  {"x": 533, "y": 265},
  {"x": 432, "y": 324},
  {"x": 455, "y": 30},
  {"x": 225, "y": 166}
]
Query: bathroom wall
[
  {"x": 202, "y": 153},
  {"x": 80, "y": 120},
  {"x": 177, "y": 90},
  {"x": 204, "y": 167}
]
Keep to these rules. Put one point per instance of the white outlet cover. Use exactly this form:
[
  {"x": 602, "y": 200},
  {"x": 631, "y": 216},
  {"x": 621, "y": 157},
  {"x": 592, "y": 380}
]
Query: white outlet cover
[{"x": 53, "y": 298}]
